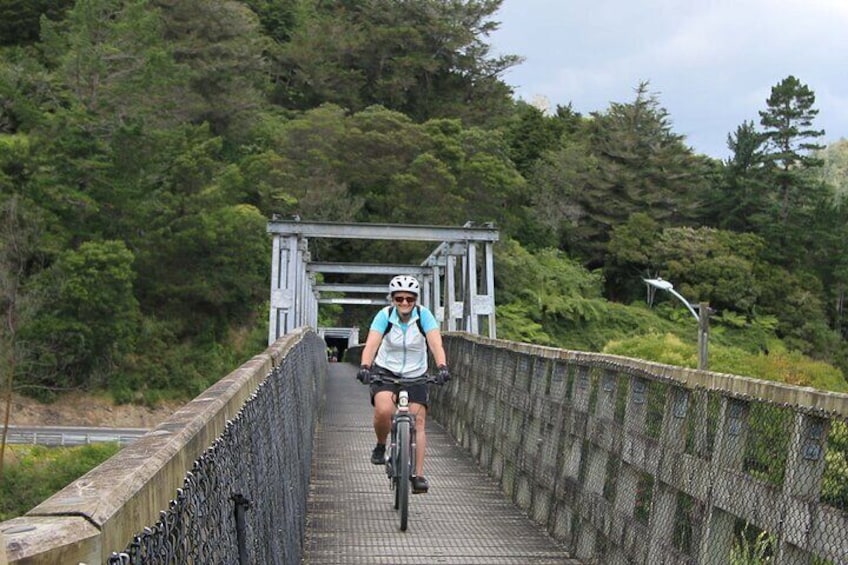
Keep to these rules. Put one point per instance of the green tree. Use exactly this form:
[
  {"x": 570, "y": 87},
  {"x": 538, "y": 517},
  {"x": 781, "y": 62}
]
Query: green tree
[
  {"x": 716, "y": 266},
  {"x": 831, "y": 261},
  {"x": 220, "y": 50},
  {"x": 739, "y": 204},
  {"x": 551, "y": 288},
  {"x": 27, "y": 92},
  {"x": 112, "y": 59},
  {"x": 835, "y": 168},
  {"x": 547, "y": 297},
  {"x": 788, "y": 155},
  {"x": 278, "y": 17},
  {"x": 18, "y": 240},
  {"x": 730, "y": 271},
  {"x": 381, "y": 166},
  {"x": 20, "y": 19},
  {"x": 427, "y": 59},
  {"x": 530, "y": 133},
  {"x": 788, "y": 127},
  {"x": 89, "y": 319},
  {"x": 630, "y": 256},
  {"x": 628, "y": 160},
  {"x": 206, "y": 271}
]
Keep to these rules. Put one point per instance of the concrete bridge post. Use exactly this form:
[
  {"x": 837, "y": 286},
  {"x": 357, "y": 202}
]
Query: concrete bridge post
[
  {"x": 632, "y": 457},
  {"x": 568, "y": 490},
  {"x": 729, "y": 453},
  {"x": 804, "y": 471},
  {"x": 664, "y": 500},
  {"x": 546, "y": 427},
  {"x": 596, "y": 466}
]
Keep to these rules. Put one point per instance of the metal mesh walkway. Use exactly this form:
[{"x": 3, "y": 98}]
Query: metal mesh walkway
[{"x": 463, "y": 519}]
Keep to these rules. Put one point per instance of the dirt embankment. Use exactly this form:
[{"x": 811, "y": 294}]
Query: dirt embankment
[{"x": 77, "y": 409}]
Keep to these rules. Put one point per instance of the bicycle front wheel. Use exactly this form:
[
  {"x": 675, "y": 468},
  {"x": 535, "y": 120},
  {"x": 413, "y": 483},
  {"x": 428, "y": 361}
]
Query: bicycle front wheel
[{"x": 402, "y": 473}]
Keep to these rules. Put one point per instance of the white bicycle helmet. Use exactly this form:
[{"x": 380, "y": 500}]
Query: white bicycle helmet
[{"x": 405, "y": 283}]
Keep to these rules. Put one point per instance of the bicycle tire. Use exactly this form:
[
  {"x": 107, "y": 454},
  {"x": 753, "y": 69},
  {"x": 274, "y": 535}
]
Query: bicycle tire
[
  {"x": 403, "y": 479},
  {"x": 394, "y": 476}
]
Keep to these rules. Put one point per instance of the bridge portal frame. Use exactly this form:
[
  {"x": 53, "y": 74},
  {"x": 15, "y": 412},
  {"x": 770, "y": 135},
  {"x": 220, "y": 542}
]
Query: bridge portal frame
[{"x": 452, "y": 270}]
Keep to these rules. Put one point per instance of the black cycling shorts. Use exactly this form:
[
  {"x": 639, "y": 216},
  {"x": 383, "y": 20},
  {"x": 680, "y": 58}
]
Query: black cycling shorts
[{"x": 418, "y": 393}]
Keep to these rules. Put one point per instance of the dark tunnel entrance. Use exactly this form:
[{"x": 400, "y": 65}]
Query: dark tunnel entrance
[{"x": 336, "y": 347}]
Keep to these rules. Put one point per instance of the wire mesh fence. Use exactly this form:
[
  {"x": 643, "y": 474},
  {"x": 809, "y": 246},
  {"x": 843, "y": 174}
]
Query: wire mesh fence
[
  {"x": 244, "y": 500},
  {"x": 621, "y": 460},
  {"x": 630, "y": 462}
]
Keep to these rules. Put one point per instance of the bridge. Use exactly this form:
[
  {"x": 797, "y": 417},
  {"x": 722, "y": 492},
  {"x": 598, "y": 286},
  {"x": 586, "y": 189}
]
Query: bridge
[
  {"x": 597, "y": 458},
  {"x": 537, "y": 455}
]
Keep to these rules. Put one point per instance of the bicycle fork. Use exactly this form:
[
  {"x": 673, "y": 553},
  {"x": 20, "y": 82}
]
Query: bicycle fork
[{"x": 402, "y": 413}]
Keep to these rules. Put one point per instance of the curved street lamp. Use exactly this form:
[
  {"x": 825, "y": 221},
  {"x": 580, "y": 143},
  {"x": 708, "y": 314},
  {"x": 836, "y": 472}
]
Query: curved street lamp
[{"x": 702, "y": 316}]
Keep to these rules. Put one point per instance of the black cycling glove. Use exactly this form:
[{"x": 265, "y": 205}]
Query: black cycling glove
[
  {"x": 364, "y": 374},
  {"x": 443, "y": 375}
]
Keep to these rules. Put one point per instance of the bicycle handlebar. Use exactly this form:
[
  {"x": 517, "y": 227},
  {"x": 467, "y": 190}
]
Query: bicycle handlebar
[{"x": 378, "y": 379}]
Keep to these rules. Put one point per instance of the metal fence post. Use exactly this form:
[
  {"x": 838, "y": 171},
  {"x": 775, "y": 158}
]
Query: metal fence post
[{"x": 241, "y": 505}]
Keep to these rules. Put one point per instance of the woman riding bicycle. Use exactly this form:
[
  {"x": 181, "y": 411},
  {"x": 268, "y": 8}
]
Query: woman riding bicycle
[{"x": 397, "y": 345}]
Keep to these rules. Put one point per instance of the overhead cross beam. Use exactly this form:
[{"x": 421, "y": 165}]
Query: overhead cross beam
[
  {"x": 365, "y": 269},
  {"x": 406, "y": 232}
]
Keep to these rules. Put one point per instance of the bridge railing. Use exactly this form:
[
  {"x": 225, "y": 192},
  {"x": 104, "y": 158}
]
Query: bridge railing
[
  {"x": 627, "y": 461},
  {"x": 223, "y": 480}
]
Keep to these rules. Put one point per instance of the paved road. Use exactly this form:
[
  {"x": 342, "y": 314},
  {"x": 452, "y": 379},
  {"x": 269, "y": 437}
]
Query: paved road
[
  {"x": 463, "y": 519},
  {"x": 71, "y": 435}
]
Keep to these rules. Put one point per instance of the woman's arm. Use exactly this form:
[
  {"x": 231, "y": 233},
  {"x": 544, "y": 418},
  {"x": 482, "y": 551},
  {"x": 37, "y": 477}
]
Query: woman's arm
[
  {"x": 434, "y": 341},
  {"x": 372, "y": 344}
]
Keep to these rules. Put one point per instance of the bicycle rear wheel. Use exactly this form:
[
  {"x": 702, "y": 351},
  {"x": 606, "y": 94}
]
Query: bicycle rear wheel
[{"x": 402, "y": 473}]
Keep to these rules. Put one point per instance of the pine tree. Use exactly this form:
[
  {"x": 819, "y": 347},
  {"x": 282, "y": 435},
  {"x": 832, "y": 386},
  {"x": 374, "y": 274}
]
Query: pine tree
[
  {"x": 427, "y": 59},
  {"x": 20, "y": 19},
  {"x": 741, "y": 196},
  {"x": 788, "y": 125},
  {"x": 633, "y": 162},
  {"x": 789, "y": 161}
]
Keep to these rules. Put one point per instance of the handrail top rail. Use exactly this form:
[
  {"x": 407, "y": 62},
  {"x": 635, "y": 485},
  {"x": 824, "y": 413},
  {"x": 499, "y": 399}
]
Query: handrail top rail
[{"x": 737, "y": 386}]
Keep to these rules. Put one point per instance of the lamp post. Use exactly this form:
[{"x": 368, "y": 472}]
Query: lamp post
[{"x": 702, "y": 316}]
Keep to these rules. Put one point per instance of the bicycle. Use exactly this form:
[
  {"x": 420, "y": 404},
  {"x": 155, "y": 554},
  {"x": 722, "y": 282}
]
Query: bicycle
[{"x": 400, "y": 455}]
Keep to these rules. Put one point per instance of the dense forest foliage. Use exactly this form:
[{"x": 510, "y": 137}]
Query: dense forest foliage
[{"x": 144, "y": 144}]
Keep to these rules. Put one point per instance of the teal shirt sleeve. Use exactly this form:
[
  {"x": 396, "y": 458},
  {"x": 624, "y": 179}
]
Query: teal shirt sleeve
[
  {"x": 380, "y": 321},
  {"x": 428, "y": 320}
]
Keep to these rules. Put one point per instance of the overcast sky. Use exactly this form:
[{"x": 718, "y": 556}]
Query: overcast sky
[{"x": 712, "y": 63}]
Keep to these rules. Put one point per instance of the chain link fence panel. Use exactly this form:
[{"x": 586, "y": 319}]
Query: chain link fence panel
[
  {"x": 244, "y": 500},
  {"x": 627, "y": 461}
]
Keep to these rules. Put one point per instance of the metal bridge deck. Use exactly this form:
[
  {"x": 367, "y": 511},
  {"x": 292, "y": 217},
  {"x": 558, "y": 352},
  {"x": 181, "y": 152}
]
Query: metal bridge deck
[{"x": 463, "y": 519}]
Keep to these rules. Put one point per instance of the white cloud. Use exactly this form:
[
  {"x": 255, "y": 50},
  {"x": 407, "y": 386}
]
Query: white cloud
[{"x": 713, "y": 62}]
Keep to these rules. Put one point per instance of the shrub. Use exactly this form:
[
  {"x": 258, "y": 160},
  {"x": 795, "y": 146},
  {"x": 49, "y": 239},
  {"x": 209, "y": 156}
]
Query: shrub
[{"x": 37, "y": 472}]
